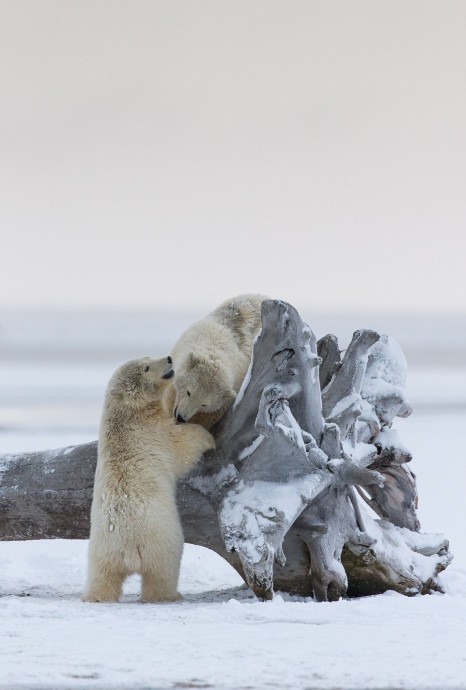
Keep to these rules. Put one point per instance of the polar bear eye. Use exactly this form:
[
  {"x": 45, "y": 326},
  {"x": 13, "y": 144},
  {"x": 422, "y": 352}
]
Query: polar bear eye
[
  {"x": 188, "y": 394},
  {"x": 146, "y": 368}
]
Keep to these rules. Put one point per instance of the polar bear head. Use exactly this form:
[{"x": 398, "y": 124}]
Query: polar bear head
[
  {"x": 201, "y": 386},
  {"x": 140, "y": 381}
]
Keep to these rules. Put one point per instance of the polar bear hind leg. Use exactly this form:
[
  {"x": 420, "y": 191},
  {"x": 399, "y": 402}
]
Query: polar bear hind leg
[
  {"x": 159, "y": 587},
  {"x": 160, "y": 566},
  {"x": 160, "y": 580},
  {"x": 105, "y": 582}
]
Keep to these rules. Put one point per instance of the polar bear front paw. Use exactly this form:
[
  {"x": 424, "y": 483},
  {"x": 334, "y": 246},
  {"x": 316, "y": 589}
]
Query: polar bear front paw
[{"x": 209, "y": 441}]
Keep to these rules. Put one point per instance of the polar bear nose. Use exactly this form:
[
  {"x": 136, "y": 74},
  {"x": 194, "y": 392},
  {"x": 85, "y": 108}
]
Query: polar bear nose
[{"x": 180, "y": 419}]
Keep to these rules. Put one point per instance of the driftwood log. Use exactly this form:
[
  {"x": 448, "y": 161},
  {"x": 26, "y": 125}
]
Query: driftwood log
[{"x": 308, "y": 443}]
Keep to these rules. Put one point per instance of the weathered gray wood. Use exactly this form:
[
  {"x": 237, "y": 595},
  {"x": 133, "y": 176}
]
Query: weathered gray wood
[
  {"x": 279, "y": 484},
  {"x": 395, "y": 560},
  {"x": 277, "y": 462},
  {"x": 397, "y": 501},
  {"x": 47, "y": 495},
  {"x": 327, "y": 349},
  {"x": 341, "y": 398},
  {"x": 44, "y": 506}
]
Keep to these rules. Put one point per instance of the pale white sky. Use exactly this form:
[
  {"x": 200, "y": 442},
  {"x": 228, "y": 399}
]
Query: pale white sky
[{"x": 177, "y": 152}]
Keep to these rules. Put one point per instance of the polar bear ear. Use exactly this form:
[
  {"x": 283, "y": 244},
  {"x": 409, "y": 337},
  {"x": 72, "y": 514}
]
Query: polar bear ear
[
  {"x": 192, "y": 359},
  {"x": 231, "y": 395},
  {"x": 115, "y": 391}
]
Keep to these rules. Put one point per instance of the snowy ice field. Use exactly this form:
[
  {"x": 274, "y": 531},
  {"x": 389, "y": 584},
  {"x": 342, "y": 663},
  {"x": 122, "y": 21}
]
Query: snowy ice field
[{"x": 51, "y": 388}]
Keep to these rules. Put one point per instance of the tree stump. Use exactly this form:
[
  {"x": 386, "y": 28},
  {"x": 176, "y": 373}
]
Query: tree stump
[{"x": 308, "y": 442}]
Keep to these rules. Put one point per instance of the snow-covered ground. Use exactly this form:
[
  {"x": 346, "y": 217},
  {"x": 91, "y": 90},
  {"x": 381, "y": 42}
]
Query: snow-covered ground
[{"x": 220, "y": 636}]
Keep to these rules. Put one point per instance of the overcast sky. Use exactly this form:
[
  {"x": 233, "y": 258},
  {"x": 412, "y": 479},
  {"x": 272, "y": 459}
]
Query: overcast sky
[{"x": 177, "y": 152}]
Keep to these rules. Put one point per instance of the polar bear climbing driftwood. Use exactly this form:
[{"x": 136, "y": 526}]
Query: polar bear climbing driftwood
[{"x": 308, "y": 441}]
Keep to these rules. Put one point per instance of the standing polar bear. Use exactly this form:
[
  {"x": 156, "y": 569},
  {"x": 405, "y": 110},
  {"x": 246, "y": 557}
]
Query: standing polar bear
[
  {"x": 135, "y": 526},
  {"x": 211, "y": 359}
]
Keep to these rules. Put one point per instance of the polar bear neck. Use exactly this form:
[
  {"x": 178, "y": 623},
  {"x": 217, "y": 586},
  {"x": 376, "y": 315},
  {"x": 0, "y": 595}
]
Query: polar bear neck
[{"x": 124, "y": 420}]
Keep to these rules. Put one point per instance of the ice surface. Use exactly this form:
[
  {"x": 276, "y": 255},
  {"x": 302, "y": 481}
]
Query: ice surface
[
  {"x": 208, "y": 484},
  {"x": 263, "y": 511},
  {"x": 249, "y": 450},
  {"x": 344, "y": 404},
  {"x": 246, "y": 380},
  {"x": 386, "y": 361},
  {"x": 219, "y": 636}
]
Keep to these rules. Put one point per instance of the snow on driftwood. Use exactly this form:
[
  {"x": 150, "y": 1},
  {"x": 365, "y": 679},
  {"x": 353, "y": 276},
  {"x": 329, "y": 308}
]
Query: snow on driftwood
[{"x": 307, "y": 443}]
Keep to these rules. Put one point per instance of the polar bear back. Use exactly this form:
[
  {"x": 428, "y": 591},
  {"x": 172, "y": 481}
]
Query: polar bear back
[
  {"x": 242, "y": 316},
  {"x": 225, "y": 336}
]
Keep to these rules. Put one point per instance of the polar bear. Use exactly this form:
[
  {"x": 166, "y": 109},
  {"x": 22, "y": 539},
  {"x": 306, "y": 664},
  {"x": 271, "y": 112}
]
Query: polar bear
[
  {"x": 211, "y": 359},
  {"x": 135, "y": 526}
]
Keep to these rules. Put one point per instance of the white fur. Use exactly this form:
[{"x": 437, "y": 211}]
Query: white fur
[
  {"x": 135, "y": 526},
  {"x": 211, "y": 359}
]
